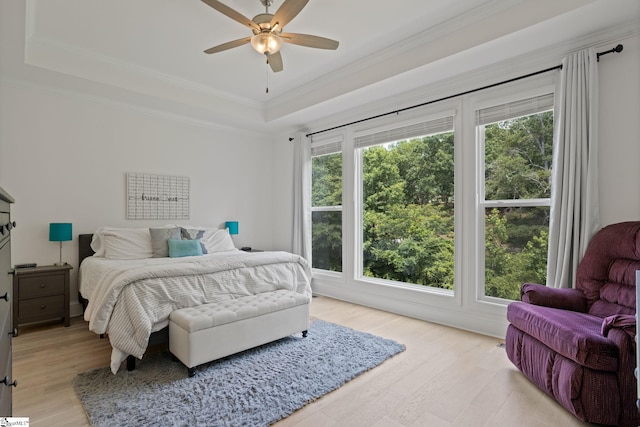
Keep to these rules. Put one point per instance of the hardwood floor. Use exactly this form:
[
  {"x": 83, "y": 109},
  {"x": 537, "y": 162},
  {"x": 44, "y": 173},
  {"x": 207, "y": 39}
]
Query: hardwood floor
[{"x": 446, "y": 377}]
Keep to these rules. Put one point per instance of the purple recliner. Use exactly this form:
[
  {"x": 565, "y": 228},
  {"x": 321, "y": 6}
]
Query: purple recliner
[{"x": 578, "y": 345}]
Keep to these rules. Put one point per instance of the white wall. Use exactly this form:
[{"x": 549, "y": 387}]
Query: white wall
[
  {"x": 619, "y": 134},
  {"x": 282, "y": 157},
  {"x": 64, "y": 156}
]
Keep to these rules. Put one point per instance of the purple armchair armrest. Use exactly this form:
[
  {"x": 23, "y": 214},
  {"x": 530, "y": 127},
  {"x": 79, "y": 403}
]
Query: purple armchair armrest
[
  {"x": 565, "y": 299},
  {"x": 625, "y": 322}
]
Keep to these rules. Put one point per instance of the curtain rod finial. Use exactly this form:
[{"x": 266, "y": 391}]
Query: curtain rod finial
[{"x": 616, "y": 49}]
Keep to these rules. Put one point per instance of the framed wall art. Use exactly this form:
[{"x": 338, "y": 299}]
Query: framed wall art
[{"x": 152, "y": 196}]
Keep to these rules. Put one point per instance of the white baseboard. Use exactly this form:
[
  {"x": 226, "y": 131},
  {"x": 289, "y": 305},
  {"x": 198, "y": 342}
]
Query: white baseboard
[
  {"x": 75, "y": 309},
  {"x": 458, "y": 316}
]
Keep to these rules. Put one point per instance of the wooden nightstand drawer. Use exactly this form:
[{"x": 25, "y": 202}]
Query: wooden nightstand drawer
[
  {"x": 39, "y": 286},
  {"x": 41, "y": 307},
  {"x": 41, "y": 293}
]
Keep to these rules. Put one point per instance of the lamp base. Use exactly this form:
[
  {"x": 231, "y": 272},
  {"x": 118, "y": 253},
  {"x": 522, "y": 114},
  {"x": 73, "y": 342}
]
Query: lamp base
[{"x": 59, "y": 264}]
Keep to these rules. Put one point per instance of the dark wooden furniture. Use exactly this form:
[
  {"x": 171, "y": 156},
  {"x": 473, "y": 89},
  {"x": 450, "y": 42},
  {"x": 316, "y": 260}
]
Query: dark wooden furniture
[
  {"x": 7, "y": 331},
  {"x": 41, "y": 293}
]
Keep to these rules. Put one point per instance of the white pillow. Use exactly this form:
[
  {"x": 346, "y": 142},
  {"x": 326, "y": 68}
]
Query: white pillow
[
  {"x": 122, "y": 243},
  {"x": 97, "y": 243},
  {"x": 218, "y": 240},
  {"x": 159, "y": 239}
]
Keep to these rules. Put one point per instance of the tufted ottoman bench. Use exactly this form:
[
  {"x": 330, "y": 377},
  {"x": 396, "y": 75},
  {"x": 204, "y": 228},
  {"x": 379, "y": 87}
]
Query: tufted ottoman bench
[{"x": 210, "y": 331}]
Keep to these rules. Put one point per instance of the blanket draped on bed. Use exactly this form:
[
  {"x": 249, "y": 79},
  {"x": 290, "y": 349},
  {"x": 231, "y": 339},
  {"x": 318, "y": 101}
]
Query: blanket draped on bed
[{"x": 131, "y": 299}]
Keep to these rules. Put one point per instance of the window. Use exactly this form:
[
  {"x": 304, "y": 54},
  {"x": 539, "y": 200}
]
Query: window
[
  {"x": 326, "y": 204},
  {"x": 446, "y": 205},
  {"x": 516, "y": 141},
  {"x": 406, "y": 208}
]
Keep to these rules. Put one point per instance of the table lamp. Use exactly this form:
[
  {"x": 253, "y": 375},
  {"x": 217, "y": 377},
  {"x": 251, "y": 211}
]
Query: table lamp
[
  {"x": 232, "y": 226},
  {"x": 60, "y": 232}
]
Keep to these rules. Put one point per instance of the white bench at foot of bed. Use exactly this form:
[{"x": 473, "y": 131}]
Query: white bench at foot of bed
[{"x": 208, "y": 332}]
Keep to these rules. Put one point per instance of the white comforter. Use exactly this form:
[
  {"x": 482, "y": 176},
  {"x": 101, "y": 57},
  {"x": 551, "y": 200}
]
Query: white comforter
[{"x": 129, "y": 299}]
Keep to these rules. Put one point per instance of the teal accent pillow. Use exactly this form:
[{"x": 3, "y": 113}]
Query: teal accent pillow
[{"x": 179, "y": 248}]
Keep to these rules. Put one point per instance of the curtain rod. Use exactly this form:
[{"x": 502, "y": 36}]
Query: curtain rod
[{"x": 616, "y": 49}]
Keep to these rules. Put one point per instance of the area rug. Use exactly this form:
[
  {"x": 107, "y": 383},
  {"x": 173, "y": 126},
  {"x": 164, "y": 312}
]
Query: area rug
[{"x": 254, "y": 388}]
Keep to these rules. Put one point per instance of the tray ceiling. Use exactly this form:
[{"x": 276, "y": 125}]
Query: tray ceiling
[{"x": 154, "y": 48}]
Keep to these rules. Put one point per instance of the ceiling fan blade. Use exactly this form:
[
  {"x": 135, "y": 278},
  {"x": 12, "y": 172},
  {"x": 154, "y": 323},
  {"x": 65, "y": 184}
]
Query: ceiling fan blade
[
  {"x": 309, "y": 41},
  {"x": 228, "y": 45},
  {"x": 231, "y": 13},
  {"x": 275, "y": 62},
  {"x": 287, "y": 11}
]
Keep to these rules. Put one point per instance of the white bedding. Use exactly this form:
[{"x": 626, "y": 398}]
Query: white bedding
[{"x": 129, "y": 299}]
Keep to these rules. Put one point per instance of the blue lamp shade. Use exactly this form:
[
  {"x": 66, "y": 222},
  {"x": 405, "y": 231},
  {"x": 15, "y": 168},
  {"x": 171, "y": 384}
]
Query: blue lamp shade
[
  {"x": 59, "y": 232},
  {"x": 232, "y": 226}
]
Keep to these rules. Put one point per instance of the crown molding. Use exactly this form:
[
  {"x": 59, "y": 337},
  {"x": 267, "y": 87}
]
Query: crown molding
[
  {"x": 508, "y": 68},
  {"x": 41, "y": 51},
  {"x": 386, "y": 78},
  {"x": 368, "y": 70},
  {"x": 147, "y": 91},
  {"x": 148, "y": 107}
]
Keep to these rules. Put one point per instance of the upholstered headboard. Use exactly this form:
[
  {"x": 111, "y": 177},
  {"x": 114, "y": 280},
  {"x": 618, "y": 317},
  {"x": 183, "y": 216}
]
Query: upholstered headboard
[{"x": 84, "y": 247}]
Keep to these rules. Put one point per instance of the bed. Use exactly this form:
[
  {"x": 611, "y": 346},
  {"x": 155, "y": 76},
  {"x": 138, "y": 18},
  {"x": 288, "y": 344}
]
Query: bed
[{"x": 130, "y": 280}]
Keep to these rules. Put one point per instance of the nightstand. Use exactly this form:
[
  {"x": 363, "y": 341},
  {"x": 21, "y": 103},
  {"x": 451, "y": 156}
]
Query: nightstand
[{"x": 41, "y": 293}]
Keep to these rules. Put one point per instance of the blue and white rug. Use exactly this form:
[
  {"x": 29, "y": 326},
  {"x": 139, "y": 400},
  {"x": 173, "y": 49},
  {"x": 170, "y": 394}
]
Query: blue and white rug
[{"x": 254, "y": 388}]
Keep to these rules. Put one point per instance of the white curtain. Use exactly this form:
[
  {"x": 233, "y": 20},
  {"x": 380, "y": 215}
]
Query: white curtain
[
  {"x": 302, "y": 196},
  {"x": 574, "y": 198}
]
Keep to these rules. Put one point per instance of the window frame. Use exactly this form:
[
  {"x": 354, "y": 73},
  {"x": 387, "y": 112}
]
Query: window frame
[
  {"x": 326, "y": 145},
  {"x": 469, "y": 232},
  {"x": 419, "y": 117},
  {"x": 511, "y": 93}
]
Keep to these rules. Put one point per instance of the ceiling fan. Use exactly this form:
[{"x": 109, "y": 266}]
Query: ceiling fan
[{"x": 267, "y": 31}]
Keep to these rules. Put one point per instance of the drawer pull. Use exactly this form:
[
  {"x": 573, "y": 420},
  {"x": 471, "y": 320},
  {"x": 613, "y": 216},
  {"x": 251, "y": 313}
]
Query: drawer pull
[
  {"x": 14, "y": 333},
  {"x": 5, "y": 296},
  {"x": 6, "y": 382},
  {"x": 43, "y": 285},
  {"x": 42, "y": 306}
]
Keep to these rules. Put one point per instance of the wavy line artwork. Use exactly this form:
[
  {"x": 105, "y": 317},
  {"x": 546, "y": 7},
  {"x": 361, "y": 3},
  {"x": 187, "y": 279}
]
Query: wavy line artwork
[{"x": 152, "y": 196}]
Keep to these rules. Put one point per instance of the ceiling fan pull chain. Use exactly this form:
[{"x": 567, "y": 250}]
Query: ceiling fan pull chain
[{"x": 267, "y": 72}]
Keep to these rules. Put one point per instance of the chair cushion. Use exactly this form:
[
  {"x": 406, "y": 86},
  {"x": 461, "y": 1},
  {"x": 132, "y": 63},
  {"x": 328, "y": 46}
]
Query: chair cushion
[{"x": 574, "y": 335}]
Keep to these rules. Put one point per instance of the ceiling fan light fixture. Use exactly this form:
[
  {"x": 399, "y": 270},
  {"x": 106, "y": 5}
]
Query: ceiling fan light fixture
[
  {"x": 267, "y": 31},
  {"x": 266, "y": 43}
]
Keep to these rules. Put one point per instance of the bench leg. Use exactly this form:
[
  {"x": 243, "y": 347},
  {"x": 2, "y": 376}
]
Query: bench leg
[
  {"x": 191, "y": 371},
  {"x": 304, "y": 334}
]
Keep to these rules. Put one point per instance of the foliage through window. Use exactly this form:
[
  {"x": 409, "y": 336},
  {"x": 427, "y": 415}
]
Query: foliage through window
[
  {"x": 326, "y": 210},
  {"x": 517, "y": 139},
  {"x": 408, "y": 207},
  {"x": 405, "y": 207}
]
